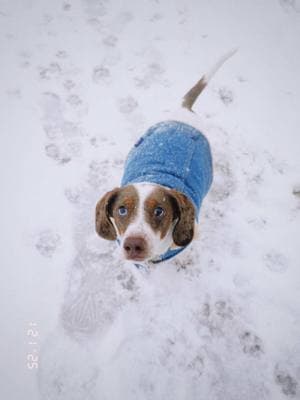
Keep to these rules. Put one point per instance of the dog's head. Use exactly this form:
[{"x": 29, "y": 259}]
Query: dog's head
[{"x": 147, "y": 219}]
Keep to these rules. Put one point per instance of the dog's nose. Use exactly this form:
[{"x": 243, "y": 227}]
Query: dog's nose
[{"x": 135, "y": 248}]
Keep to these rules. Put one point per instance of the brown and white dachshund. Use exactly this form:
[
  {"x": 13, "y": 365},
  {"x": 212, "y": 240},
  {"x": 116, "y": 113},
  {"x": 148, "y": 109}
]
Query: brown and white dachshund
[{"x": 149, "y": 219}]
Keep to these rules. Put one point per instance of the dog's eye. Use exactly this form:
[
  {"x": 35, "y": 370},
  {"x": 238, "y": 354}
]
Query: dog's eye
[
  {"x": 122, "y": 211},
  {"x": 159, "y": 212}
]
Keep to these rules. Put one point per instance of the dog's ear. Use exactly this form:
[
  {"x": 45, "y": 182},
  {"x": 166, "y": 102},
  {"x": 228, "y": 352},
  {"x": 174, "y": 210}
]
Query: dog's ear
[
  {"x": 104, "y": 226},
  {"x": 184, "y": 212}
]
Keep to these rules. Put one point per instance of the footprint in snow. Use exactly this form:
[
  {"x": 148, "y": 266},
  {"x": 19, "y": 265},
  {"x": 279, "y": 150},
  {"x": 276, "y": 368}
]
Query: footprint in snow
[
  {"x": 216, "y": 316},
  {"x": 25, "y": 59},
  {"x": 98, "y": 171},
  {"x": 72, "y": 149},
  {"x": 226, "y": 95},
  {"x": 156, "y": 17},
  {"x": 95, "y": 8},
  {"x": 124, "y": 18},
  {"x": 276, "y": 262},
  {"x": 153, "y": 74},
  {"x": 51, "y": 71},
  {"x": 187, "y": 261},
  {"x": 64, "y": 138},
  {"x": 48, "y": 242},
  {"x": 16, "y": 93},
  {"x": 287, "y": 383},
  {"x": 62, "y": 54},
  {"x": 251, "y": 344},
  {"x": 101, "y": 74},
  {"x": 296, "y": 190},
  {"x": 97, "y": 289},
  {"x": 127, "y": 105},
  {"x": 224, "y": 182},
  {"x": 66, "y": 7},
  {"x": 69, "y": 84},
  {"x": 196, "y": 366},
  {"x": 110, "y": 41},
  {"x": 84, "y": 308},
  {"x": 74, "y": 195},
  {"x": 127, "y": 281},
  {"x": 67, "y": 369},
  {"x": 290, "y": 5},
  {"x": 74, "y": 100},
  {"x": 224, "y": 310}
]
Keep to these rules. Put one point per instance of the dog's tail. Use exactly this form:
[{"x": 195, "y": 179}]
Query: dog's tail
[{"x": 191, "y": 96}]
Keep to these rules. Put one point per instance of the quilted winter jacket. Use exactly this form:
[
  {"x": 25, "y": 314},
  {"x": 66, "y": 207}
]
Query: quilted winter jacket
[{"x": 172, "y": 154}]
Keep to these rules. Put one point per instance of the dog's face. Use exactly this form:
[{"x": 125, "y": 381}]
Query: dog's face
[{"x": 147, "y": 219}]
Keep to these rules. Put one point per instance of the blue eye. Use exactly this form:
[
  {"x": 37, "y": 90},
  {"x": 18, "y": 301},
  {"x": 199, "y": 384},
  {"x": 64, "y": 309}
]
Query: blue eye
[
  {"x": 123, "y": 211},
  {"x": 159, "y": 212}
]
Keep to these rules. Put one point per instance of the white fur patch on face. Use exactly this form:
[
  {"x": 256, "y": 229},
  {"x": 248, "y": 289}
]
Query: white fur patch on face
[{"x": 139, "y": 227}]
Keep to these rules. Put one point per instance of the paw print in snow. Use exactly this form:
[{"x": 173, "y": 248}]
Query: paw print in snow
[
  {"x": 127, "y": 281},
  {"x": 74, "y": 100},
  {"x": 152, "y": 75},
  {"x": 48, "y": 242},
  {"x": 296, "y": 190},
  {"x": 69, "y": 84},
  {"x": 276, "y": 262},
  {"x": 226, "y": 95},
  {"x": 127, "y": 105},
  {"x": 67, "y": 7},
  {"x": 101, "y": 74},
  {"x": 156, "y": 17},
  {"x": 224, "y": 310},
  {"x": 95, "y": 8},
  {"x": 287, "y": 383},
  {"x": 110, "y": 41},
  {"x": 224, "y": 182},
  {"x": 251, "y": 344},
  {"x": 53, "y": 151},
  {"x": 216, "y": 316},
  {"x": 61, "y": 54},
  {"x": 98, "y": 173},
  {"x": 290, "y": 5},
  {"x": 196, "y": 366},
  {"x": 53, "y": 70},
  {"x": 74, "y": 195}
]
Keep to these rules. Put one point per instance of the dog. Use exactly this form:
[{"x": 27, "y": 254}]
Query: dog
[{"x": 168, "y": 172}]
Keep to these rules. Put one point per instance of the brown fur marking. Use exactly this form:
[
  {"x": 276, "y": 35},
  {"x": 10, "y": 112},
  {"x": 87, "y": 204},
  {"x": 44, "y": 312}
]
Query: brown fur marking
[
  {"x": 104, "y": 227},
  {"x": 127, "y": 197},
  {"x": 184, "y": 229},
  {"x": 159, "y": 198}
]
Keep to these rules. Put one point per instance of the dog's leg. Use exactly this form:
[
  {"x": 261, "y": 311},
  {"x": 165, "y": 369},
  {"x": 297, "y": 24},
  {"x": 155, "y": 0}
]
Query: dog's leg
[{"x": 192, "y": 95}]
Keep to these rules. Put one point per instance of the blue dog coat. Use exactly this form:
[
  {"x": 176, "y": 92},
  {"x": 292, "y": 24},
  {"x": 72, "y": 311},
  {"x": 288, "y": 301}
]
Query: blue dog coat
[{"x": 175, "y": 155}]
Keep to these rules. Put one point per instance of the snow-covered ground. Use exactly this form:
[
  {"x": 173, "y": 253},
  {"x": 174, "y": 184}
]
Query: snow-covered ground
[{"x": 80, "y": 81}]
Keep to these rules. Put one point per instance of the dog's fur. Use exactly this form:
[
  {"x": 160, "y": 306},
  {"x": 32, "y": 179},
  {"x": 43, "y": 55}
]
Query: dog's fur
[{"x": 146, "y": 218}]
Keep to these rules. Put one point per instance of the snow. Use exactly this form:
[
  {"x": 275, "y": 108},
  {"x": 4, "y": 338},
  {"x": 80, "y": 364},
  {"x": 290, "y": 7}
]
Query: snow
[{"x": 81, "y": 81}]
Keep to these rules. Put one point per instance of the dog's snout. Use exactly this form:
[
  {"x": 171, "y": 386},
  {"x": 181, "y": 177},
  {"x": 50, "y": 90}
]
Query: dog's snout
[{"x": 135, "y": 248}]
